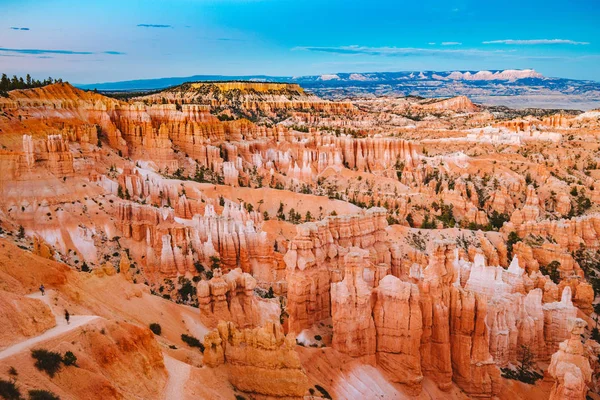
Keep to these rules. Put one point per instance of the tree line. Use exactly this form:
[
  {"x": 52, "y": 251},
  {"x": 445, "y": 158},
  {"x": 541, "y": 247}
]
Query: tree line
[{"x": 7, "y": 84}]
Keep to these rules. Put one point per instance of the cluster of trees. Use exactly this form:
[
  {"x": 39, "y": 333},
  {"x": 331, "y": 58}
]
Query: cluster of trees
[{"x": 7, "y": 84}]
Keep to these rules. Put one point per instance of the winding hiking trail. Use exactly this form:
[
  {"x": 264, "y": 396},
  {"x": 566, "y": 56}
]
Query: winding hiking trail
[
  {"x": 60, "y": 328},
  {"x": 179, "y": 372}
]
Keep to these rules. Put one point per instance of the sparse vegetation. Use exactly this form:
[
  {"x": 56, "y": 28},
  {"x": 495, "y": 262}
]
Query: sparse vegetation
[
  {"x": 156, "y": 328},
  {"x": 69, "y": 359},
  {"x": 192, "y": 341},
  {"x": 524, "y": 371},
  {"x": 7, "y": 84},
  {"x": 38, "y": 394},
  {"x": 9, "y": 390},
  {"x": 49, "y": 362}
]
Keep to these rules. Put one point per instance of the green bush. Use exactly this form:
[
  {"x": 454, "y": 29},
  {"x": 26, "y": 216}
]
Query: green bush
[
  {"x": 325, "y": 394},
  {"x": 47, "y": 361},
  {"x": 9, "y": 391},
  {"x": 69, "y": 359},
  {"x": 552, "y": 271},
  {"x": 192, "y": 341},
  {"x": 37, "y": 394},
  {"x": 156, "y": 328},
  {"x": 524, "y": 372}
]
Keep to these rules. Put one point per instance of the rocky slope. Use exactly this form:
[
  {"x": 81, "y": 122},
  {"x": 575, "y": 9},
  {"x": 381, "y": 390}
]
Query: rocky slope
[{"x": 384, "y": 247}]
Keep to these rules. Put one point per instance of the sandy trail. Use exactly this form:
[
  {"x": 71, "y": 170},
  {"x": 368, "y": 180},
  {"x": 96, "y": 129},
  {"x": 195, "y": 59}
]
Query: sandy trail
[
  {"x": 179, "y": 373},
  {"x": 60, "y": 328}
]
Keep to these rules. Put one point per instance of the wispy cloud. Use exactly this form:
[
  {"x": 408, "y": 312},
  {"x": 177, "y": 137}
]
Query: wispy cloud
[
  {"x": 535, "y": 41},
  {"x": 451, "y": 43},
  {"x": 401, "y": 51},
  {"x": 16, "y": 28},
  {"x": 44, "y": 51},
  {"x": 50, "y": 51},
  {"x": 154, "y": 26}
]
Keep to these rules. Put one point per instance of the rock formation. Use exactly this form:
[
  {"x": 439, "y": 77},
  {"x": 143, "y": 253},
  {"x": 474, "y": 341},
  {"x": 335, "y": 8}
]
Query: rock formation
[
  {"x": 229, "y": 297},
  {"x": 259, "y": 361},
  {"x": 569, "y": 366},
  {"x": 353, "y": 325}
]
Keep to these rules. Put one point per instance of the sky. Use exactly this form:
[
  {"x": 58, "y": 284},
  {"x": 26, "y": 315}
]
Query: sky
[{"x": 112, "y": 40}]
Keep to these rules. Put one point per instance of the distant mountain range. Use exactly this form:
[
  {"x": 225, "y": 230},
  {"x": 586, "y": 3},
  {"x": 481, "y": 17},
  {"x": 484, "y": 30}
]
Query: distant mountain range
[{"x": 514, "y": 88}]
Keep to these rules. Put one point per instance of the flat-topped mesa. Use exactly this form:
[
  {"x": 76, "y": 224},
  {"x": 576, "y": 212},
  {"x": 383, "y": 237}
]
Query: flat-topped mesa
[
  {"x": 251, "y": 87},
  {"x": 266, "y": 97},
  {"x": 456, "y": 104},
  {"x": 260, "y": 361},
  {"x": 315, "y": 255}
]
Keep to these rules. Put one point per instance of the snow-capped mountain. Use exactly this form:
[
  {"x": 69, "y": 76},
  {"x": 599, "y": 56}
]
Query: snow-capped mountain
[{"x": 516, "y": 88}]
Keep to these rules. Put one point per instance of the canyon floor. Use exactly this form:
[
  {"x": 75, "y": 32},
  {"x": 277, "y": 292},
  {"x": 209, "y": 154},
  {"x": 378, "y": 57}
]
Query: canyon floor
[{"x": 246, "y": 240}]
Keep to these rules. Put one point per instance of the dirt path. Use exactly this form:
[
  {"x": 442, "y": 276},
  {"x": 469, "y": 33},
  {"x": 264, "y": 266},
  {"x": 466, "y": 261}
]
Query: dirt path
[
  {"x": 60, "y": 328},
  {"x": 179, "y": 373}
]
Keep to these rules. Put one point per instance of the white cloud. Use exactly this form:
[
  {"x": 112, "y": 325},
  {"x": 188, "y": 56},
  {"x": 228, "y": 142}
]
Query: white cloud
[
  {"x": 401, "y": 51},
  {"x": 535, "y": 41},
  {"x": 451, "y": 43}
]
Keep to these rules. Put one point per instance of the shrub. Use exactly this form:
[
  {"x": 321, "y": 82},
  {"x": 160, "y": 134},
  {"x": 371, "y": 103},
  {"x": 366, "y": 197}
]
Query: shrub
[
  {"x": 187, "y": 290},
  {"x": 552, "y": 271},
  {"x": 37, "y": 394},
  {"x": 47, "y": 361},
  {"x": 324, "y": 392},
  {"x": 524, "y": 372},
  {"x": 199, "y": 267},
  {"x": 192, "y": 341},
  {"x": 318, "y": 337},
  {"x": 156, "y": 328},
  {"x": 9, "y": 391},
  {"x": 12, "y": 371},
  {"x": 69, "y": 359},
  {"x": 595, "y": 335},
  {"x": 513, "y": 238},
  {"x": 497, "y": 220}
]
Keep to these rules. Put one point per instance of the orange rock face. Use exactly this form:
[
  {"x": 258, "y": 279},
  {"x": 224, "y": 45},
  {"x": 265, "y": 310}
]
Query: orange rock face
[
  {"x": 353, "y": 326},
  {"x": 569, "y": 366},
  {"x": 398, "y": 322},
  {"x": 260, "y": 361},
  {"x": 421, "y": 241},
  {"x": 229, "y": 297},
  {"x": 22, "y": 318},
  {"x": 473, "y": 368}
]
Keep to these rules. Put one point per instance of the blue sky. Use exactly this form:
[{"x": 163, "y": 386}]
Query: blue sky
[{"x": 97, "y": 41}]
